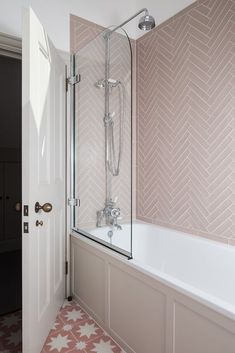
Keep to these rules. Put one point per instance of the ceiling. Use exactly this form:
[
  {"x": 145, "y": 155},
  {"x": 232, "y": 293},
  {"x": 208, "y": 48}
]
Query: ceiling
[{"x": 54, "y": 14}]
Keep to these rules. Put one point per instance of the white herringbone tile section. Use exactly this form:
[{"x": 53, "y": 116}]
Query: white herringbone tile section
[
  {"x": 90, "y": 133},
  {"x": 186, "y": 121}
]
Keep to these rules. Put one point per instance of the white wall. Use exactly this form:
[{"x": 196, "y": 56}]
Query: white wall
[{"x": 54, "y": 14}]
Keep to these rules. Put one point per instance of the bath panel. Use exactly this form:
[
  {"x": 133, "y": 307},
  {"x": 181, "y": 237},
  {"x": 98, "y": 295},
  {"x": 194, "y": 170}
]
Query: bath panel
[{"x": 165, "y": 300}]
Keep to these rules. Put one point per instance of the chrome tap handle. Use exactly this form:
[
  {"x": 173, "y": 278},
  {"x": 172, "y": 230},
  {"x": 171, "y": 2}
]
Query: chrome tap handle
[{"x": 115, "y": 212}]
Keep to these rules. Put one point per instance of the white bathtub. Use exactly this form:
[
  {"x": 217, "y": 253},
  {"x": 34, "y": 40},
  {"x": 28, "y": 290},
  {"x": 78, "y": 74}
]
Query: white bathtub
[{"x": 181, "y": 285}]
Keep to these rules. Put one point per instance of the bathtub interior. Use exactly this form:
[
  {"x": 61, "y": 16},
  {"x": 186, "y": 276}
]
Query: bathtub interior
[
  {"x": 200, "y": 265},
  {"x": 119, "y": 238}
]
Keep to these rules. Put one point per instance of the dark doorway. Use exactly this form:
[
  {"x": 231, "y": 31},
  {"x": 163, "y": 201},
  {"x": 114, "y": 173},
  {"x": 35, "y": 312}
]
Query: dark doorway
[{"x": 10, "y": 204}]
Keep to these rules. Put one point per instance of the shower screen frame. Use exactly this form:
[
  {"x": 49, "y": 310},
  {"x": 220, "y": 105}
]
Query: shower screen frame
[{"x": 74, "y": 200}]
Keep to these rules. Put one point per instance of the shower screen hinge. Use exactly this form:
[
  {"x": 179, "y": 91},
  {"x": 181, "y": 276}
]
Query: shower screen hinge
[
  {"x": 73, "y": 80},
  {"x": 74, "y": 202}
]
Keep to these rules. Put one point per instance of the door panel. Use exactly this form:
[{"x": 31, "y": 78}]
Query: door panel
[{"x": 44, "y": 168}]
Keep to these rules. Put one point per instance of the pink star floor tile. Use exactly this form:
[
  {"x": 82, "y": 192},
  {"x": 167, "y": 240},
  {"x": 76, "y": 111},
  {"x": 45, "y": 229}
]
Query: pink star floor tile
[
  {"x": 103, "y": 344},
  {"x": 59, "y": 342},
  {"x": 73, "y": 315},
  {"x": 80, "y": 347},
  {"x": 75, "y": 331},
  {"x": 58, "y": 325},
  {"x": 11, "y": 333},
  {"x": 87, "y": 330}
]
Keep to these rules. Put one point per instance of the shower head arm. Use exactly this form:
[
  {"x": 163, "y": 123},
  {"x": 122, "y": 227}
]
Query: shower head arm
[{"x": 109, "y": 32}]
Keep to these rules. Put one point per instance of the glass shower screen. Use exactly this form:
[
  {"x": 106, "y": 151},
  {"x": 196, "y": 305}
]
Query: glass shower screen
[{"x": 103, "y": 140}]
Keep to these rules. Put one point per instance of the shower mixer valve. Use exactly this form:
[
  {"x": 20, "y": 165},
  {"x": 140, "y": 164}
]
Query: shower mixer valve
[{"x": 110, "y": 214}]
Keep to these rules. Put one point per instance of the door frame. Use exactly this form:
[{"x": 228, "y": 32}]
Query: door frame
[{"x": 11, "y": 46}]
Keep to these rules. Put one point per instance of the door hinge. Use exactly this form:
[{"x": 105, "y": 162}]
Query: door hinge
[
  {"x": 66, "y": 267},
  {"x": 74, "y": 202},
  {"x": 73, "y": 80}
]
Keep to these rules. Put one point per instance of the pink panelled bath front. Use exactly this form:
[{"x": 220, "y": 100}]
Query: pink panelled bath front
[{"x": 177, "y": 294}]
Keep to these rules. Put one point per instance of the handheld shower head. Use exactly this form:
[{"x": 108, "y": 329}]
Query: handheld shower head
[{"x": 146, "y": 22}]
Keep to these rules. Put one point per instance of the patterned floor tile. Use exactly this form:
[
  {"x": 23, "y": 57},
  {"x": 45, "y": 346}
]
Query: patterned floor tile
[
  {"x": 10, "y": 321},
  {"x": 59, "y": 342},
  {"x": 72, "y": 315},
  {"x": 76, "y": 332},
  {"x": 11, "y": 333},
  {"x": 59, "y": 325},
  {"x": 103, "y": 344},
  {"x": 87, "y": 330}
]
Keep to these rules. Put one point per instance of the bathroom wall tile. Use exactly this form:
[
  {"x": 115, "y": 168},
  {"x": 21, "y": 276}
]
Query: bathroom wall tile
[
  {"x": 231, "y": 241},
  {"x": 82, "y": 32},
  {"x": 90, "y": 147},
  {"x": 185, "y": 121}
]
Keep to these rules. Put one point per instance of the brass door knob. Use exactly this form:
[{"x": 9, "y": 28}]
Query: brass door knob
[
  {"x": 47, "y": 207},
  {"x": 18, "y": 207}
]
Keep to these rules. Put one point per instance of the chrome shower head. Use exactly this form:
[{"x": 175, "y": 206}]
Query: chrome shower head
[{"x": 146, "y": 22}]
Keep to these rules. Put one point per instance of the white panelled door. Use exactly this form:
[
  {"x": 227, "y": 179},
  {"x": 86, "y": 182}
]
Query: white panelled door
[{"x": 44, "y": 168}]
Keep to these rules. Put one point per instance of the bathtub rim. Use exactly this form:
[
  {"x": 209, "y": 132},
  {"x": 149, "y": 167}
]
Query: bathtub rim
[
  {"x": 222, "y": 242},
  {"x": 103, "y": 243},
  {"x": 218, "y": 242},
  {"x": 220, "y": 306}
]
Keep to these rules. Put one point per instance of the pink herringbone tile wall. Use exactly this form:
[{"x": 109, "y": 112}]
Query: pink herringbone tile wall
[
  {"x": 82, "y": 32},
  {"x": 186, "y": 121},
  {"x": 88, "y": 42}
]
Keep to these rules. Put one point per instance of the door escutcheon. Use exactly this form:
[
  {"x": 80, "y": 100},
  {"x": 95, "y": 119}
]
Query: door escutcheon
[{"x": 39, "y": 223}]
